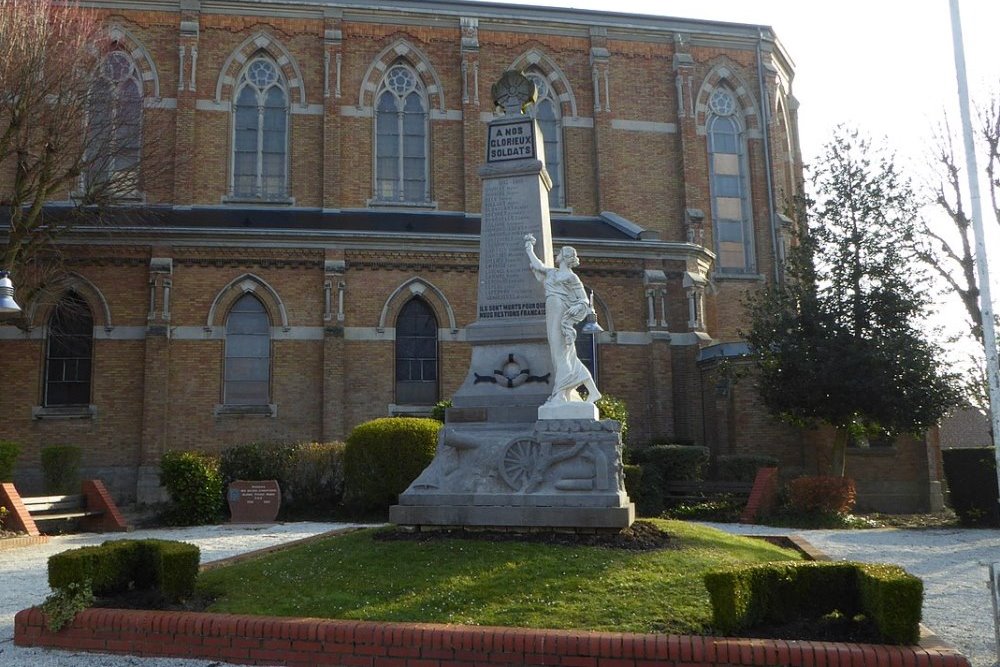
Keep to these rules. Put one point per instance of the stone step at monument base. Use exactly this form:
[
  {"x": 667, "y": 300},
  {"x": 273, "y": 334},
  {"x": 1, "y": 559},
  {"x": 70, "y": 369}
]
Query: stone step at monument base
[{"x": 582, "y": 518}]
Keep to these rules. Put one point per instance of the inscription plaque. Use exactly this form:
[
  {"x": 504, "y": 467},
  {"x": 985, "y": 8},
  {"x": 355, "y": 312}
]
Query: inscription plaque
[
  {"x": 506, "y": 290},
  {"x": 511, "y": 141},
  {"x": 254, "y": 501}
]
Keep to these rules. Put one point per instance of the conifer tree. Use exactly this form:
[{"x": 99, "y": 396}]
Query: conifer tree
[{"x": 844, "y": 339}]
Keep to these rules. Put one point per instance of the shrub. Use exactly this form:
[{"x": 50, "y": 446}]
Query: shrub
[
  {"x": 972, "y": 485},
  {"x": 745, "y": 596},
  {"x": 822, "y": 495},
  {"x": 742, "y": 467},
  {"x": 194, "y": 484},
  {"x": 8, "y": 455},
  {"x": 384, "y": 456},
  {"x": 676, "y": 462},
  {"x": 633, "y": 482},
  {"x": 315, "y": 478},
  {"x": 61, "y": 469},
  {"x": 661, "y": 463},
  {"x": 612, "y": 407},
  {"x": 257, "y": 461},
  {"x": 118, "y": 566},
  {"x": 439, "y": 410}
]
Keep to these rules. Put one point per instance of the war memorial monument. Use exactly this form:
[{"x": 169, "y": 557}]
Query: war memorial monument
[{"x": 521, "y": 447}]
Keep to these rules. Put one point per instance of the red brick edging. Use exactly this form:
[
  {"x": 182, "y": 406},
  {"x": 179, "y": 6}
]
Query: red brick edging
[
  {"x": 264, "y": 640},
  {"x": 22, "y": 541}
]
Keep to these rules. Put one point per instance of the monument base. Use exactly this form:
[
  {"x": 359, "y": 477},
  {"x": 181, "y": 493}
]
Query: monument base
[
  {"x": 554, "y": 473},
  {"x": 502, "y": 516}
]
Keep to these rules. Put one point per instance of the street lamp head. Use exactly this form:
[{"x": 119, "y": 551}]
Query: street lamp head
[
  {"x": 7, "y": 302},
  {"x": 590, "y": 325}
]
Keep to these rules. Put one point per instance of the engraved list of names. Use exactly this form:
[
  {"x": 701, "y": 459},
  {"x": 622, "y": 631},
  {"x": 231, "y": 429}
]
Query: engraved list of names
[{"x": 507, "y": 288}]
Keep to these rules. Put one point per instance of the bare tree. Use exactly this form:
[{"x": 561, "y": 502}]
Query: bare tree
[
  {"x": 74, "y": 127},
  {"x": 950, "y": 253},
  {"x": 949, "y": 250}
]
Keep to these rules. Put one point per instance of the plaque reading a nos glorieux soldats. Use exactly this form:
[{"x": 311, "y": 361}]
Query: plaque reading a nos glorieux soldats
[
  {"x": 511, "y": 141},
  {"x": 254, "y": 501}
]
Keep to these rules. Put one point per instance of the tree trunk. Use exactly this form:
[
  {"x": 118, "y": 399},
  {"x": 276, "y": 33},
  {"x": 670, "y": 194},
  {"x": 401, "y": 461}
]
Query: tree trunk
[{"x": 838, "y": 457}]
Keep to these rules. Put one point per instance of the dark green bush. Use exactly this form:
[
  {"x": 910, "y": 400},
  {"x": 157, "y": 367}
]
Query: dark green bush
[
  {"x": 746, "y": 596},
  {"x": 61, "y": 469},
  {"x": 384, "y": 456},
  {"x": 612, "y": 407},
  {"x": 315, "y": 478},
  {"x": 675, "y": 462},
  {"x": 972, "y": 485},
  {"x": 8, "y": 455},
  {"x": 633, "y": 482},
  {"x": 742, "y": 467},
  {"x": 662, "y": 463},
  {"x": 195, "y": 486},
  {"x": 257, "y": 461},
  {"x": 119, "y": 566}
]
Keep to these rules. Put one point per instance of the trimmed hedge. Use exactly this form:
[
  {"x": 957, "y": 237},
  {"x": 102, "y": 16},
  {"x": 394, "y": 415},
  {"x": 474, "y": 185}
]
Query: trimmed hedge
[
  {"x": 972, "y": 485},
  {"x": 742, "y": 467},
  {"x": 633, "y": 482},
  {"x": 9, "y": 451},
  {"x": 774, "y": 593},
  {"x": 119, "y": 566},
  {"x": 192, "y": 479},
  {"x": 384, "y": 456},
  {"x": 257, "y": 461},
  {"x": 61, "y": 468},
  {"x": 662, "y": 463}
]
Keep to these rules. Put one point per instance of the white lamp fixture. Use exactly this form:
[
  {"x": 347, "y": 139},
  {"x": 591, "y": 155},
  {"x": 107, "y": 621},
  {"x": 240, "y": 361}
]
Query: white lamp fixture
[{"x": 7, "y": 303}]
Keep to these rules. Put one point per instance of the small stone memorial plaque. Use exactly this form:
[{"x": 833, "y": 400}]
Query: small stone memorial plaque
[{"x": 254, "y": 501}]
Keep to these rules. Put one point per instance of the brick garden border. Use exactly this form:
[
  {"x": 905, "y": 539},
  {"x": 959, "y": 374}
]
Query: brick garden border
[
  {"x": 264, "y": 640},
  {"x": 308, "y": 642}
]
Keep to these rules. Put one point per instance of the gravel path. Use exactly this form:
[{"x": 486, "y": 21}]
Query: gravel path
[{"x": 954, "y": 565}]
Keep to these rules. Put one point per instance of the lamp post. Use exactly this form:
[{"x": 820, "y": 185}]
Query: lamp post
[{"x": 7, "y": 302}]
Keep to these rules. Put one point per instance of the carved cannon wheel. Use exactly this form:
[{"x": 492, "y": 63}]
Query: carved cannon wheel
[{"x": 520, "y": 463}]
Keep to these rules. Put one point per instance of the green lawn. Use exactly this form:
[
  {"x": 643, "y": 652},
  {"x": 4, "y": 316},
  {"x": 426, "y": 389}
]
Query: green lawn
[{"x": 477, "y": 582}]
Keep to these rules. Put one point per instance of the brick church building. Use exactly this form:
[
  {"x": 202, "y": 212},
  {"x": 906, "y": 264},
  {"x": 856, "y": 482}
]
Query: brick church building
[{"x": 310, "y": 261}]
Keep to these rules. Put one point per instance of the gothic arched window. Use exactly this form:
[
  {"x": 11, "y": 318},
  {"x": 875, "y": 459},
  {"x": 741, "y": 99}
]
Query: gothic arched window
[
  {"x": 732, "y": 222},
  {"x": 260, "y": 133},
  {"x": 114, "y": 127},
  {"x": 401, "y": 142},
  {"x": 247, "y": 375},
  {"x": 416, "y": 354},
  {"x": 69, "y": 352},
  {"x": 546, "y": 112}
]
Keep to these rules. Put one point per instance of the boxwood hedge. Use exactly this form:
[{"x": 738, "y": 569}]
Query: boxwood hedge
[
  {"x": 122, "y": 565},
  {"x": 775, "y": 593}
]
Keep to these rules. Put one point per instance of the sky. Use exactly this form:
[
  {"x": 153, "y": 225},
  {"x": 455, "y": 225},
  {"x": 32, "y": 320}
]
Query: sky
[{"x": 885, "y": 67}]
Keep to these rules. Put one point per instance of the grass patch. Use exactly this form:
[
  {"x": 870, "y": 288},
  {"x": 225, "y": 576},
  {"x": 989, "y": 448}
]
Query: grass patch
[{"x": 482, "y": 582}]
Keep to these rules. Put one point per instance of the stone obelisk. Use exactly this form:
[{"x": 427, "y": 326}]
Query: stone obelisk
[{"x": 497, "y": 463}]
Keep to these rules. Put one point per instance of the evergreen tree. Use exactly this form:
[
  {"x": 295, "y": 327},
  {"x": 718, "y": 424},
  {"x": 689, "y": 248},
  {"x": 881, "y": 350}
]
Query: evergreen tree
[{"x": 843, "y": 341}]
